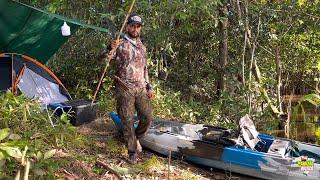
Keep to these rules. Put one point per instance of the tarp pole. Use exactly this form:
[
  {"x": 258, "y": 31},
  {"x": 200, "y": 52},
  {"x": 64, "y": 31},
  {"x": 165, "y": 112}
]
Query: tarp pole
[
  {"x": 19, "y": 78},
  {"x": 12, "y": 80}
]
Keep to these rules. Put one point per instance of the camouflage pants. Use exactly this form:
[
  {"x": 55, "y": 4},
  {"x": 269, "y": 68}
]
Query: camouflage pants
[{"x": 128, "y": 101}]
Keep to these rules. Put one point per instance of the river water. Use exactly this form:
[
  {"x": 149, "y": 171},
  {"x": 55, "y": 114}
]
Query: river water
[{"x": 301, "y": 128}]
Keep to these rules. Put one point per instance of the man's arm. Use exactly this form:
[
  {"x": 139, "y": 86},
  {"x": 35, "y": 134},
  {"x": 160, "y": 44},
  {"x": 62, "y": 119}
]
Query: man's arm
[
  {"x": 149, "y": 88},
  {"x": 109, "y": 52},
  {"x": 146, "y": 77}
]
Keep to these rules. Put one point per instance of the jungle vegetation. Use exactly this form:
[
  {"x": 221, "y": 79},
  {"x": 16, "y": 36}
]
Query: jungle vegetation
[{"x": 211, "y": 61}]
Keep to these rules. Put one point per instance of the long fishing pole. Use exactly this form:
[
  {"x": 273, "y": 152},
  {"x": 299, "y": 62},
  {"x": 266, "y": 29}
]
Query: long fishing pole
[{"x": 111, "y": 53}]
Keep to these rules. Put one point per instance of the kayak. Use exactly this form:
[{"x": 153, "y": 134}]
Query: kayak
[{"x": 244, "y": 150}]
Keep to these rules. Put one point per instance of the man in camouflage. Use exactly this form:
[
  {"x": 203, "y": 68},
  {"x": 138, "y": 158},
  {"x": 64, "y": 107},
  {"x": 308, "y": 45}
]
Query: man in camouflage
[{"x": 133, "y": 89}]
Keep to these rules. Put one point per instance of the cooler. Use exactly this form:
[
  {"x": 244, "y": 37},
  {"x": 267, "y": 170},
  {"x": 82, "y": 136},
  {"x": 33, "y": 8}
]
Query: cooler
[{"x": 81, "y": 111}]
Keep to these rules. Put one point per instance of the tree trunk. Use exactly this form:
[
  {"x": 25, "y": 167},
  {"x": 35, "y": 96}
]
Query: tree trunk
[
  {"x": 223, "y": 48},
  {"x": 278, "y": 71}
]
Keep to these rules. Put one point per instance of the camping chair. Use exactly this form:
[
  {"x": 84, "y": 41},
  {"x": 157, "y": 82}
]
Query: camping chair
[
  {"x": 79, "y": 111},
  {"x": 58, "y": 110}
]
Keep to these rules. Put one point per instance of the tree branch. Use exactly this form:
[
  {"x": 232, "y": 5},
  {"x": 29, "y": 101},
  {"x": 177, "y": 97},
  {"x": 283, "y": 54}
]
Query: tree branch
[{"x": 106, "y": 166}]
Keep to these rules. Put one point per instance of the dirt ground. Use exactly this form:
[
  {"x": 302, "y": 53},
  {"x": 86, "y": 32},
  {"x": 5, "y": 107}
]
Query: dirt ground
[{"x": 106, "y": 159}]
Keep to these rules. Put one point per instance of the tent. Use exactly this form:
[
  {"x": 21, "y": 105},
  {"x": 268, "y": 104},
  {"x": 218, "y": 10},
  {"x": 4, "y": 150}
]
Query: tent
[
  {"x": 27, "y": 75},
  {"x": 21, "y": 73},
  {"x": 37, "y": 33},
  {"x": 27, "y": 32}
]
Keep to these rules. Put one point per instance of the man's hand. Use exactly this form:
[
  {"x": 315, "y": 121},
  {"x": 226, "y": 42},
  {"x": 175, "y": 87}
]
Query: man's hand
[{"x": 150, "y": 94}]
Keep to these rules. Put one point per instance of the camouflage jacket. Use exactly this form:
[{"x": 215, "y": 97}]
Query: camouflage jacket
[{"x": 131, "y": 63}]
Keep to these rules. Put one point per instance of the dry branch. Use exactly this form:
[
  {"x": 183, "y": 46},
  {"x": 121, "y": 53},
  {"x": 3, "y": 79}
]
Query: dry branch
[{"x": 107, "y": 167}]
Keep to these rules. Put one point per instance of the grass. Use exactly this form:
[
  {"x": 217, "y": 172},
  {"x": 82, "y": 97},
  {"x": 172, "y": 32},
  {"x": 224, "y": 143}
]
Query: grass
[
  {"x": 188, "y": 175},
  {"x": 114, "y": 147},
  {"x": 76, "y": 153},
  {"x": 153, "y": 164}
]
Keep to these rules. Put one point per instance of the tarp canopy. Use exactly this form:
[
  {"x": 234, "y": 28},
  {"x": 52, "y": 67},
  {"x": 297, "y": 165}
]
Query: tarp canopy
[{"x": 34, "y": 32}]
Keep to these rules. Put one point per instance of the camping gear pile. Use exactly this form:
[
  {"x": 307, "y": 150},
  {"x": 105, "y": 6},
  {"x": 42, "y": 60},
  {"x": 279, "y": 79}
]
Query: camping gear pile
[
  {"x": 28, "y": 32},
  {"x": 22, "y": 74}
]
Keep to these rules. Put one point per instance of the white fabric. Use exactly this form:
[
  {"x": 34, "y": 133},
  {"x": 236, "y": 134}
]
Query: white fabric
[
  {"x": 133, "y": 42},
  {"x": 35, "y": 86},
  {"x": 248, "y": 131}
]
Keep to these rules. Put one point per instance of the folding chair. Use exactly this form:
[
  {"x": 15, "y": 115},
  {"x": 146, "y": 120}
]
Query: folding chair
[{"x": 58, "y": 110}]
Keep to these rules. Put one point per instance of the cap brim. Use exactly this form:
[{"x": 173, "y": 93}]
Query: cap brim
[{"x": 135, "y": 23}]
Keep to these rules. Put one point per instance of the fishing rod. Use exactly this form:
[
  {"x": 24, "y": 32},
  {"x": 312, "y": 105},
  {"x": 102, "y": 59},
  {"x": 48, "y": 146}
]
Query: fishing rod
[{"x": 111, "y": 53}]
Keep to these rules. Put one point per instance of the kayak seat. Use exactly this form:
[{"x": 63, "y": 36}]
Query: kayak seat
[
  {"x": 225, "y": 137},
  {"x": 249, "y": 134},
  {"x": 279, "y": 147}
]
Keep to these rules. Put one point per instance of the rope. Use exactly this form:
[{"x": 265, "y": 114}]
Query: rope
[{"x": 111, "y": 53}]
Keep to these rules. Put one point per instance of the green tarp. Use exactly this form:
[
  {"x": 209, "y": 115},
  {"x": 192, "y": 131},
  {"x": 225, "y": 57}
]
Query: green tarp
[{"x": 31, "y": 31}]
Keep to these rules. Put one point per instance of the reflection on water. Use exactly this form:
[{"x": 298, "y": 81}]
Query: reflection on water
[{"x": 305, "y": 129}]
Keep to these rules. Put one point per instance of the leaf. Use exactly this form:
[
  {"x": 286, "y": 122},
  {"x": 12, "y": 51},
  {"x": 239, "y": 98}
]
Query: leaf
[
  {"x": 12, "y": 151},
  {"x": 303, "y": 113},
  {"x": 301, "y": 3},
  {"x": 317, "y": 133},
  {"x": 39, "y": 172},
  {"x": 49, "y": 154},
  {"x": 4, "y": 133},
  {"x": 2, "y": 163},
  {"x": 2, "y": 156},
  {"x": 24, "y": 152},
  {"x": 14, "y": 143},
  {"x": 39, "y": 155},
  {"x": 313, "y": 102},
  {"x": 121, "y": 170},
  {"x": 312, "y": 98}
]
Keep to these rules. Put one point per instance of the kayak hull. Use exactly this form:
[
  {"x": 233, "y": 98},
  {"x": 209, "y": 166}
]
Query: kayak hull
[{"x": 188, "y": 142}]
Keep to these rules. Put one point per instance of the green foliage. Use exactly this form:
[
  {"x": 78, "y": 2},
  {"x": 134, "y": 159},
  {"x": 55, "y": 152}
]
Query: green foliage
[
  {"x": 183, "y": 38},
  {"x": 8, "y": 149},
  {"x": 16, "y": 160},
  {"x": 54, "y": 5},
  {"x": 24, "y": 126},
  {"x": 317, "y": 133},
  {"x": 182, "y": 34},
  {"x": 114, "y": 147},
  {"x": 314, "y": 99},
  {"x": 65, "y": 135},
  {"x": 151, "y": 165},
  {"x": 299, "y": 109},
  {"x": 16, "y": 113},
  {"x": 169, "y": 105},
  {"x": 188, "y": 175}
]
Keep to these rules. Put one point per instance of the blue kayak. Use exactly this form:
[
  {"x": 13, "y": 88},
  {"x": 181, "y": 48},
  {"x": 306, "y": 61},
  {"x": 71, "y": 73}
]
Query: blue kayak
[{"x": 243, "y": 151}]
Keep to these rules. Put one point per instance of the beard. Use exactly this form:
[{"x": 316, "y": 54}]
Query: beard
[{"x": 134, "y": 35}]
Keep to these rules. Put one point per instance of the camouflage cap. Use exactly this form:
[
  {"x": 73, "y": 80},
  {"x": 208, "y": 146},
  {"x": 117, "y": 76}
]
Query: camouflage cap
[{"x": 134, "y": 19}]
